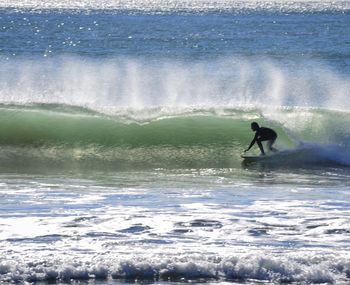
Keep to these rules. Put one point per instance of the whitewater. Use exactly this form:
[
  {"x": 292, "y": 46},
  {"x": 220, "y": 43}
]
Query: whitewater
[{"x": 122, "y": 125}]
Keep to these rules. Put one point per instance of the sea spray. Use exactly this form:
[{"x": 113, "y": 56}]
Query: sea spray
[{"x": 116, "y": 84}]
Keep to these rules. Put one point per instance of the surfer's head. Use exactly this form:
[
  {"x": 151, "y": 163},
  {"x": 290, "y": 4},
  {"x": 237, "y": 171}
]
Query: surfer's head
[{"x": 254, "y": 126}]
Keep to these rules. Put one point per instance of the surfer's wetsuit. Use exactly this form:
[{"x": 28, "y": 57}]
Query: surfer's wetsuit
[{"x": 263, "y": 134}]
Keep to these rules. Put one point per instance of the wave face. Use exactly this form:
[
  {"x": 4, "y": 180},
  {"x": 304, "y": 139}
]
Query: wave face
[{"x": 76, "y": 137}]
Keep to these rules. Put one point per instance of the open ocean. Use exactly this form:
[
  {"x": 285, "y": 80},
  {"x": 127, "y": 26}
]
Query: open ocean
[{"x": 121, "y": 128}]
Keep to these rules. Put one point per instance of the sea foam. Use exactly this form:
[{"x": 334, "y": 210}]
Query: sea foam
[{"x": 264, "y": 268}]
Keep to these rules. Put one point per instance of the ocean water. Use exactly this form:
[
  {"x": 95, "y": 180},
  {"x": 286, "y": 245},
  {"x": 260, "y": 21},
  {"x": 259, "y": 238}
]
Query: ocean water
[{"x": 121, "y": 129}]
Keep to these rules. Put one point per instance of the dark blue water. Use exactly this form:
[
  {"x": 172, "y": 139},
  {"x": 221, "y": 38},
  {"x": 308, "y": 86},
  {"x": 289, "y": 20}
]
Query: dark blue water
[{"x": 322, "y": 36}]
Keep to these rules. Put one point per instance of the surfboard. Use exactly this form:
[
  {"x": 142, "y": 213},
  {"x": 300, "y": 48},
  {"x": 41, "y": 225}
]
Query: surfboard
[
  {"x": 254, "y": 158},
  {"x": 271, "y": 157}
]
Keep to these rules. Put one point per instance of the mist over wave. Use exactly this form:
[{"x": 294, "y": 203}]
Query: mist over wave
[{"x": 113, "y": 84}]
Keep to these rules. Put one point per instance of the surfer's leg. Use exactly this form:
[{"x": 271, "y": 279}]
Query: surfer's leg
[
  {"x": 269, "y": 145},
  {"x": 261, "y": 147}
]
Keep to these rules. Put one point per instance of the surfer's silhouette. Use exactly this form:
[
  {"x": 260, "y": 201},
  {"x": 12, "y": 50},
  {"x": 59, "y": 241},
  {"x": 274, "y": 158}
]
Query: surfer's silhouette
[{"x": 263, "y": 134}]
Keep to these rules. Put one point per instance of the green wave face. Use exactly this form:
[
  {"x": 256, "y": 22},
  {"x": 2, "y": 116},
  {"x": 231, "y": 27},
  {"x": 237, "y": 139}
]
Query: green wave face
[{"x": 74, "y": 137}]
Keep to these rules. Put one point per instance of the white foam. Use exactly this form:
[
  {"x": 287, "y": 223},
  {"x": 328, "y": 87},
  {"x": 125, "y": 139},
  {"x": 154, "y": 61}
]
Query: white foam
[
  {"x": 152, "y": 227},
  {"x": 268, "y": 267}
]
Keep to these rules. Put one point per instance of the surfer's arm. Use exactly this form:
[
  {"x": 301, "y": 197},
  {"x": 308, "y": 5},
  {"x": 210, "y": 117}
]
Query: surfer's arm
[{"x": 252, "y": 143}]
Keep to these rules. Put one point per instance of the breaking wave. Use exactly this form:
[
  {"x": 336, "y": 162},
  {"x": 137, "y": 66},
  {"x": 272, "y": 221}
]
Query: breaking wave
[
  {"x": 308, "y": 269},
  {"x": 61, "y": 135},
  {"x": 130, "y": 113}
]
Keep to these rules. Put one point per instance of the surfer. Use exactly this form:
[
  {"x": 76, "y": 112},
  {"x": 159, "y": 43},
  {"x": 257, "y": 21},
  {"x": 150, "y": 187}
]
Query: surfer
[{"x": 263, "y": 134}]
